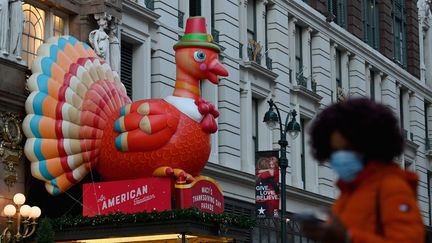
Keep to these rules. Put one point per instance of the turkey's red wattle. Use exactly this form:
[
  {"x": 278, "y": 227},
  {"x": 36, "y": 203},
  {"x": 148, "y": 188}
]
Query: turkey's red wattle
[{"x": 208, "y": 124}]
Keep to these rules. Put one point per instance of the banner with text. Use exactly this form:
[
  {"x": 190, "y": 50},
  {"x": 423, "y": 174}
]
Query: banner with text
[
  {"x": 127, "y": 196},
  {"x": 203, "y": 193},
  {"x": 267, "y": 191}
]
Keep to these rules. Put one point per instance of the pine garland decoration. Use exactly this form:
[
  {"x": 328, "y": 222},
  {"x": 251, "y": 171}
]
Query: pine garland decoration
[
  {"x": 154, "y": 216},
  {"x": 45, "y": 232}
]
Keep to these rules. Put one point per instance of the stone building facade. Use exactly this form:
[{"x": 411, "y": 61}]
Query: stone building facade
[{"x": 304, "y": 55}]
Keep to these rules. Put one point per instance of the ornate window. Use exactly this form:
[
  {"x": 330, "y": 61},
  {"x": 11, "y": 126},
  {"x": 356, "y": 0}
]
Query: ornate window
[
  {"x": 127, "y": 66},
  {"x": 33, "y": 33},
  {"x": 251, "y": 19},
  {"x": 59, "y": 26},
  {"x": 195, "y": 8},
  {"x": 399, "y": 32},
  {"x": 39, "y": 24},
  {"x": 301, "y": 80},
  {"x": 371, "y": 22},
  {"x": 337, "y": 8}
]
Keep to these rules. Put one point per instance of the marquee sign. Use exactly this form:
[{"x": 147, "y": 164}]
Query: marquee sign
[
  {"x": 128, "y": 196},
  {"x": 203, "y": 193}
]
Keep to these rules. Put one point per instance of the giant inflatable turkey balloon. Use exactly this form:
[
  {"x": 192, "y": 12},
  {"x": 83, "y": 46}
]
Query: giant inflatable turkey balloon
[{"x": 79, "y": 117}]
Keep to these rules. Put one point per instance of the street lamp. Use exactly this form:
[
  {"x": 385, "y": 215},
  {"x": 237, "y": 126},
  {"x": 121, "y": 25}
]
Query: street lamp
[
  {"x": 29, "y": 216},
  {"x": 293, "y": 128}
]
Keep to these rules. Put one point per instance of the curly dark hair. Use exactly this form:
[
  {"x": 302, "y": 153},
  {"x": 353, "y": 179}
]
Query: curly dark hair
[{"x": 370, "y": 128}]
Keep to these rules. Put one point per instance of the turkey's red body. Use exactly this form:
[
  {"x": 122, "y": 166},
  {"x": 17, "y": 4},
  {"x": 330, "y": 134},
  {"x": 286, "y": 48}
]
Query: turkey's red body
[{"x": 188, "y": 149}]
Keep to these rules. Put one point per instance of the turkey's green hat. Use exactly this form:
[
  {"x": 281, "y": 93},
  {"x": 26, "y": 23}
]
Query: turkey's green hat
[{"x": 196, "y": 35}]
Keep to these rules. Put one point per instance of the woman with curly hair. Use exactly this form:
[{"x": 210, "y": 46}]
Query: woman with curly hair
[{"x": 360, "y": 138}]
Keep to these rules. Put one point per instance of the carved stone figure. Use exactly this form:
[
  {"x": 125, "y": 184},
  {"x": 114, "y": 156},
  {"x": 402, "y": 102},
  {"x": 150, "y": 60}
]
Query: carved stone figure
[
  {"x": 4, "y": 26},
  {"x": 99, "y": 38},
  {"x": 423, "y": 8},
  {"x": 114, "y": 48},
  {"x": 16, "y": 27}
]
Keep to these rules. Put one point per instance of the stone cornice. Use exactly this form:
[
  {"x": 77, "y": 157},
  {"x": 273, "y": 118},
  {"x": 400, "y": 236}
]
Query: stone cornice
[
  {"x": 141, "y": 11},
  {"x": 317, "y": 21},
  {"x": 304, "y": 92},
  {"x": 258, "y": 69}
]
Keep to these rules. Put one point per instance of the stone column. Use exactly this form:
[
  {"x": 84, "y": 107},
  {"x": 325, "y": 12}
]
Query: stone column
[
  {"x": 357, "y": 78},
  {"x": 416, "y": 117},
  {"x": 261, "y": 28},
  {"x": 4, "y": 26},
  {"x": 294, "y": 160},
  {"x": 368, "y": 77},
  {"x": 306, "y": 54},
  {"x": 345, "y": 64},
  {"x": 228, "y": 98},
  {"x": 398, "y": 100},
  {"x": 378, "y": 86},
  {"x": 333, "y": 48},
  {"x": 389, "y": 95},
  {"x": 242, "y": 28},
  {"x": 321, "y": 69},
  {"x": 422, "y": 36},
  {"x": 429, "y": 119},
  {"x": 427, "y": 47},
  {"x": 292, "y": 47},
  {"x": 246, "y": 127},
  {"x": 16, "y": 28},
  {"x": 164, "y": 71},
  {"x": 406, "y": 110},
  {"x": 206, "y": 11},
  {"x": 183, "y": 6}
]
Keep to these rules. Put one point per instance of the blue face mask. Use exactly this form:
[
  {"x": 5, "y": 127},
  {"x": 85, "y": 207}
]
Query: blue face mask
[{"x": 347, "y": 164}]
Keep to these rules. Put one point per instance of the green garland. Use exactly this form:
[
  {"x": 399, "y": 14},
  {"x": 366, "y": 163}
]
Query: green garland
[{"x": 154, "y": 216}]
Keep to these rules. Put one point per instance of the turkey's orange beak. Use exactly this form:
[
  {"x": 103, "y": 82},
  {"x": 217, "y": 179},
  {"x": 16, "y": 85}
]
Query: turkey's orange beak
[{"x": 215, "y": 69}]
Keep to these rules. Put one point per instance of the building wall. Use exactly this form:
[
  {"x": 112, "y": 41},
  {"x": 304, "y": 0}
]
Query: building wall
[
  {"x": 153, "y": 32},
  {"x": 250, "y": 81}
]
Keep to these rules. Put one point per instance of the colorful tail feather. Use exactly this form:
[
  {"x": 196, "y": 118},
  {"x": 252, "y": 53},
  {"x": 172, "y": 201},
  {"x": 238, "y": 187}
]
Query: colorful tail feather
[{"x": 73, "y": 95}]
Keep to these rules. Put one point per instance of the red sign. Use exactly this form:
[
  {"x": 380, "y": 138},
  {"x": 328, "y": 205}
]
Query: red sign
[
  {"x": 203, "y": 193},
  {"x": 128, "y": 196}
]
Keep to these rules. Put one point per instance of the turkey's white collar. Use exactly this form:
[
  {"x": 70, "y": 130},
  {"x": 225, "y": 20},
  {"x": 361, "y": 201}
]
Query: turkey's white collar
[{"x": 186, "y": 106}]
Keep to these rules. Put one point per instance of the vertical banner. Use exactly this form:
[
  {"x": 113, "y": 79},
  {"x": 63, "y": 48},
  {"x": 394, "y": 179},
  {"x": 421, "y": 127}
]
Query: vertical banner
[{"x": 267, "y": 190}]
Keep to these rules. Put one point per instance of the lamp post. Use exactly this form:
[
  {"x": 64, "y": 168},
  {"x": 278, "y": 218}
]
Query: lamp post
[
  {"x": 26, "y": 217},
  {"x": 293, "y": 128}
]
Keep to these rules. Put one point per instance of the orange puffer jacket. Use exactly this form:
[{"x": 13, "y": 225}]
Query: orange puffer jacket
[{"x": 396, "y": 190}]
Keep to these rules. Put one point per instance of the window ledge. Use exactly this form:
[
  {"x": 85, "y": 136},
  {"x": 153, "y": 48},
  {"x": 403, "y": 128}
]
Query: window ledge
[
  {"x": 429, "y": 153},
  {"x": 141, "y": 11},
  {"x": 309, "y": 94},
  {"x": 411, "y": 149},
  {"x": 258, "y": 69}
]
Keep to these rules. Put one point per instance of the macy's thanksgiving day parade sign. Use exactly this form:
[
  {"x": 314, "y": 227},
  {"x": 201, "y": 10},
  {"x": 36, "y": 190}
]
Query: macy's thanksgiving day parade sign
[{"x": 147, "y": 152}]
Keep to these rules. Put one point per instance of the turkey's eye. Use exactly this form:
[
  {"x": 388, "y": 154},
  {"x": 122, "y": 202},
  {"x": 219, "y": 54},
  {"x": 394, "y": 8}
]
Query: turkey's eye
[{"x": 199, "y": 56}]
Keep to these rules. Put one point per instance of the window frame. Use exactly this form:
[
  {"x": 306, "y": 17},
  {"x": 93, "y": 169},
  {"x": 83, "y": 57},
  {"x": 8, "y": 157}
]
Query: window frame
[
  {"x": 372, "y": 74},
  {"x": 128, "y": 86},
  {"x": 399, "y": 32},
  {"x": 298, "y": 49},
  {"x": 371, "y": 23},
  {"x": 338, "y": 68},
  {"x": 197, "y": 6},
  {"x": 255, "y": 120},
  {"x": 253, "y": 32},
  {"x": 48, "y": 27},
  {"x": 339, "y": 12}
]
